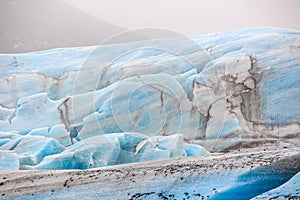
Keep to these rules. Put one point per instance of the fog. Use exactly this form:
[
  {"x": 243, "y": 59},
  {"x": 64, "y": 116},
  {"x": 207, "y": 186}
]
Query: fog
[
  {"x": 192, "y": 17},
  {"x": 32, "y": 25}
]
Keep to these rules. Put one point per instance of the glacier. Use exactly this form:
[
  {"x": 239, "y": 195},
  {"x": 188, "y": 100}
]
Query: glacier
[{"x": 110, "y": 105}]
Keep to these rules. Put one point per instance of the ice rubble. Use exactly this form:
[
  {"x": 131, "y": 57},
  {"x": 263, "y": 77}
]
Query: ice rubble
[{"x": 97, "y": 106}]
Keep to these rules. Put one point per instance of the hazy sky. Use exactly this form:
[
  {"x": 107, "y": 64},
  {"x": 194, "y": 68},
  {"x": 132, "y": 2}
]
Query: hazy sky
[
  {"x": 32, "y": 25},
  {"x": 194, "y": 16}
]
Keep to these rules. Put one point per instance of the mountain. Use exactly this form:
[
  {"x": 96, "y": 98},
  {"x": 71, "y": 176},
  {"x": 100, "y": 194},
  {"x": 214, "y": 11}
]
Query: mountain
[{"x": 34, "y": 25}]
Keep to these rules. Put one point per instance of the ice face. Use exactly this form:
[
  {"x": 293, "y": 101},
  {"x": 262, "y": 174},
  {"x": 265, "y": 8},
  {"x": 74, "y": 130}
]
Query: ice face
[{"x": 149, "y": 100}]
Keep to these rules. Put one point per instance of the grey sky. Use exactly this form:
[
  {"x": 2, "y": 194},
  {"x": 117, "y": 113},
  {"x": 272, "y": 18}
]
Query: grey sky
[
  {"x": 192, "y": 17},
  {"x": 32, "y": 25}
]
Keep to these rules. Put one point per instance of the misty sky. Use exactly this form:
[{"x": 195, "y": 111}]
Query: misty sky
[
  {"x": 33, "y": 25},
  {"x": 192, "y": 17}
]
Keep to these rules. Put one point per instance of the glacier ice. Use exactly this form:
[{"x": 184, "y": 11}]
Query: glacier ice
[
  {"x": 261, "y": 173},
  {"x": 116, "y": 148},
  {"x": 149, "y": 100},
  {"x": 32, "y": 149},
  {"x": 288, "y": 190},
  {"x": 195, "y": 150},
  {"x": 150, "y": 148},
  {"x": 95, "y": 151},
  {"x": 9, "y": 160}
]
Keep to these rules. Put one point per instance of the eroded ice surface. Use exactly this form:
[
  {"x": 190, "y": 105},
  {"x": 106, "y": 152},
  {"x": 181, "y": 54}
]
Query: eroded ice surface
[{"x": 239, "y": 175}]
